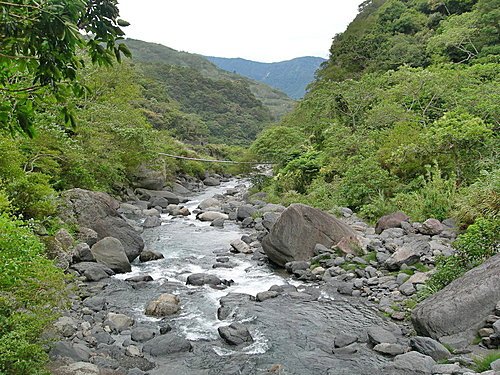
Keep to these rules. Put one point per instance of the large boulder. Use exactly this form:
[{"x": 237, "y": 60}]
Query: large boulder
[
  {"x": 393, "y": 220},
  {"x": 299, "y": 229},
  {"x": 149, "y": 178},
  {"x": 110, "y": 252},
  {"x": 152, "y": 195},
  {"x": 235, "y": 334},
  {"x": 164, "y": 345},
  {"x": 98, "y": 211},
  {"x": 166, "y": 304},
  {"x": 454, "y": 314},
  {"x": 211, "y": 216}
]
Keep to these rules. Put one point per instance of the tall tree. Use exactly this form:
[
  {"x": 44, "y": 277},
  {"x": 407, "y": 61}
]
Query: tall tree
[{"x": 40, "y": 53}]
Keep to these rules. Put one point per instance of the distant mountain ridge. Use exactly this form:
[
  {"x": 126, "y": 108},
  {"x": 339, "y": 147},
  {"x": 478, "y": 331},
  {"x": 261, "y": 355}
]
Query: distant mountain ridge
[{"x": 291, "y": 76}]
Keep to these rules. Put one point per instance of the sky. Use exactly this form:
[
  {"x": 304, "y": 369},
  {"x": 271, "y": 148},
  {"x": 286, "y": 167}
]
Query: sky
[{"x": 259, "y": 30}]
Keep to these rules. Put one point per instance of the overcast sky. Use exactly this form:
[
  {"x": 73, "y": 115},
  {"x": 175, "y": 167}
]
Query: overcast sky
[{"x": 260, "y": 30}]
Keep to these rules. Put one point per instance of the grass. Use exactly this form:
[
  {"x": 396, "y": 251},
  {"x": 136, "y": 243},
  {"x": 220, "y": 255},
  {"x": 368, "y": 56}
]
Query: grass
[
  {"x": 483, "y": 363},
  {"x": 421, "y": 267},
  {"x": 370, "y": 257}
]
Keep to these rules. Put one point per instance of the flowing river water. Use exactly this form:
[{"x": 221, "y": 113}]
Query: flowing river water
[{"x": 293, "y": 333}]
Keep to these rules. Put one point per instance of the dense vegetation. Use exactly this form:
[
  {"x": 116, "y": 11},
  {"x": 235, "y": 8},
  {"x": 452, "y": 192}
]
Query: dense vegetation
[
  {"x": 292, "y": 76},
  {"x": 404, "y": 116},
  {"x": 274, "y": 100}
]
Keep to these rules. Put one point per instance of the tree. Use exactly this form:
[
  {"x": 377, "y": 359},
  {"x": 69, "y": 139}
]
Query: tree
[{"x": 40, "y": 53}]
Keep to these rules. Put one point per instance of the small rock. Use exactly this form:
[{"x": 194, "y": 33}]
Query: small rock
[
  {"x": 199, "y": 279},
  {"x": 119, "y": 322},
  {"x": 431, "y": 227},
  {"x": 166, "y": 304},
  {"x": 239, "y": 246}
]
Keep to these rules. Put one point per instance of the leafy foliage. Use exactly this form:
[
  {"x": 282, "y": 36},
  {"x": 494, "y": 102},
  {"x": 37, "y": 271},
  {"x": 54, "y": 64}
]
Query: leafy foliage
[
  {"x": 39, "y": 53},
  {"x": 31, "y": 290}
]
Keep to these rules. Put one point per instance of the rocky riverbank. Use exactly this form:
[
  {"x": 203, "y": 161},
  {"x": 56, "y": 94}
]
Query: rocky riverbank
[{"x": 340, "y": 310}]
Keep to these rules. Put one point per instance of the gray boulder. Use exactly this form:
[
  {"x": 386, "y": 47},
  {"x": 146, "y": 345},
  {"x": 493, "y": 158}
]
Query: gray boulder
[
  {"x": 199, "y": 279},
  {"x": 238, "y": 246},
  {"x": 93, "y": 271},
  {"x": 298, "y": 230},
  {"x": 166, "y": 344},
  {"x": 431, "y": 227},
  {"x": 149, "y": 255},
  {"x": 98, "y": 211},
  {"x": 209, "y": 202},
  {"x": 393, "y": 220},
  {"x": 110, "y": 252},
  {"x": 430, "y": 347},
  {"x": 411, "y": 363},
  {"x": 152, "y": 222},
  {"x": 151, "y": 195},
  {"x": 211, "y": 181},
  {"x": 235, "y": 334},
  {"x": 244, "y": 212},
  {"x": 455, "y": 313},
  {"x": 149, "y": 178},
  {"x": 166, "y": 304},
  {"x": 143, "y": 334},
  {"x": 408, "y": 254},
  {"x": 75, "y": 352},
  {"x": 378, "y": 335},
  {"x": 211, "y": 216}
]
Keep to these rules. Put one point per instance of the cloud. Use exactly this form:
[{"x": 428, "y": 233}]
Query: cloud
[{"x": 261, "y": 30}]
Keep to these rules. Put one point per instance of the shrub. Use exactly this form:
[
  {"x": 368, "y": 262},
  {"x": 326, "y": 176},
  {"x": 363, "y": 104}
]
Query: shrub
[
  {"x": 30, "y": 291},
  {"x": 478, "y": 243},
  {"x": 484, "y": 363}
]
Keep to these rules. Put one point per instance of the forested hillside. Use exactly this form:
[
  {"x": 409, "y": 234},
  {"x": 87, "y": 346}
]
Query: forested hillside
[
  {"x": 292, "y": 76},
  {"x": 403, "y": 116},
  {"x": 157, "y": 55}
]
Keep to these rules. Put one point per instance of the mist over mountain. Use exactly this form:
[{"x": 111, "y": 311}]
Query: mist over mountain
[{"x": 291, "y": 76}]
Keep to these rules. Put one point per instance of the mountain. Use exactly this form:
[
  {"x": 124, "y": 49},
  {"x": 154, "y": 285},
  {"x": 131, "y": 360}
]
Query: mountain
[
  {"x": 275, "y": 100},
  {"x": 291, "y": 77}
]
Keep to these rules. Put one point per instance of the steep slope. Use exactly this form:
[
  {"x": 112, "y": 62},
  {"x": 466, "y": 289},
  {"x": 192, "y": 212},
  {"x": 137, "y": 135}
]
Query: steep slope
[
  {"x": 403, "y": 116},
  {"x": 276, "y": 101},
  {"x": 292, "y": 76}
]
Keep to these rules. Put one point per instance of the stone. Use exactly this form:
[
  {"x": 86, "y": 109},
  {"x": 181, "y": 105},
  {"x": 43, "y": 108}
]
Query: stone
[
  {"x": 495, "y": 366},
  {"x": 66, "y": 326},
  {"x": 98, "y": 211},
  {"x": 151, "y": 195},
  {"x": 456, "y": 312},
  {"x": 408, "y": 254},
  {"x": 235, "y": 334},
  {"x": 262, "y": 296},
  {"x": 150, "y": 255},
  {"x": 139, "y": 279},
  {"x": 93, "y": 271},
  {"x": 119, "y": 322},
  {"x": 244, "y": 212},
  {"x": 143, "y": 334},
  {"x": 65, "y": 349},
  {"x": 199, "y": 279},
  {"x": 152, "y": 222},
  {"x": 164, "y": 345},
  {"x": 166, "y": 304},
  {"x": 407, "y": 289},
  {"x": 82, "y": 253},
  {"x": 431, "y": 227},
  {"x": 344, "y": 339},
  {"x": 298, "y": 265},
  {"x": 211, "y": 181},
  {"x": 379, "y": 335},
  {"x": 209, "y": 202},
  {"x": 79, "y": 368},
  {"x": 412, "y": 363},
  {"x": 150, "y": 178},
  {"x": 269, "y": 219},
  {"x": 95, "y": 303},
  {"x": 211, "y": 216},
  {"x": 393, "y": 220},
  {"x": 238, "y": 246},
  {"x": 389, "y": 349},
  {"x": 110, "y": 252},
  {"x": 298, "y": 230},
  {"x": 430, "y": 347},
  {"x": 87, "y": 235},
  {"x": 218, "y": 223},
  {"x": 445, "y": 369}
]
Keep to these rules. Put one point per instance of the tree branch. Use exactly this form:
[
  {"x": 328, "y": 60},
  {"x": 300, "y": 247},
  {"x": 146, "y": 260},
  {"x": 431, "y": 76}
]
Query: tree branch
[{"x": 19, "y": 5}]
